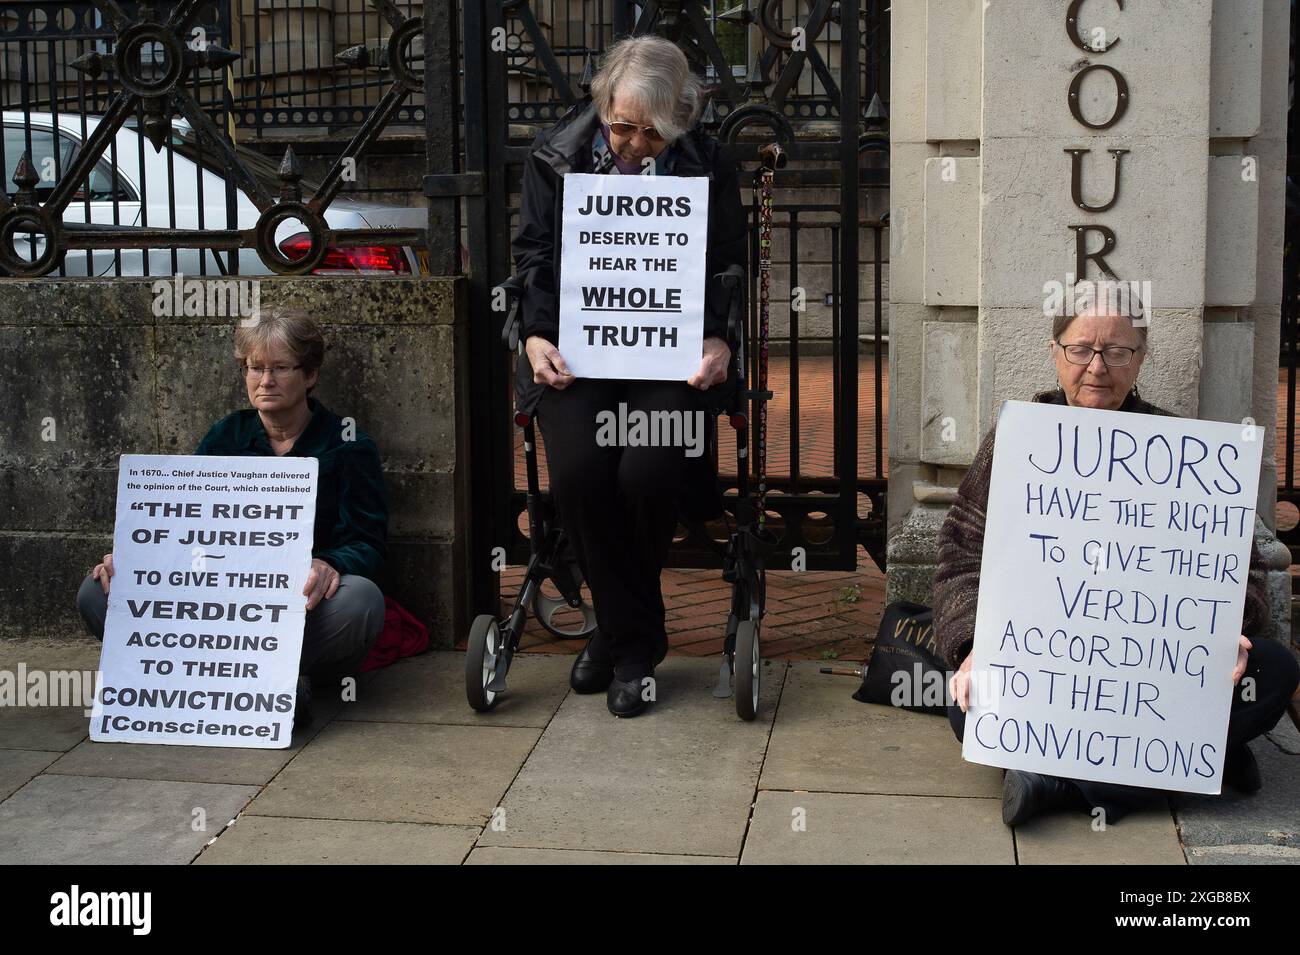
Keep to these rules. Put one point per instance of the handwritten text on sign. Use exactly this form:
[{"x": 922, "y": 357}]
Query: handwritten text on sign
[
  {"x": 632, "y": 275},
  {"x": 206, "y": 610},
  {"x": 1116, "y": 548}
]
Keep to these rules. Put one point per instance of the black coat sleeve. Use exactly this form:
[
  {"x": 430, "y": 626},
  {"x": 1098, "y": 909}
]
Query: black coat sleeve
[
  {"x": 534, "y": 249},
  {"x": 728, "y": 233}
]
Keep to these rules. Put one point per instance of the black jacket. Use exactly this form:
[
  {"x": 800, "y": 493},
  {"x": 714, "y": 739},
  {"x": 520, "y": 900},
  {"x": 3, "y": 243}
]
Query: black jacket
[{"x": 565, "y": 148}]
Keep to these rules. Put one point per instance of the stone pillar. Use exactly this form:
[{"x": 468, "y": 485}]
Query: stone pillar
[{"x": 993, "y": 103}]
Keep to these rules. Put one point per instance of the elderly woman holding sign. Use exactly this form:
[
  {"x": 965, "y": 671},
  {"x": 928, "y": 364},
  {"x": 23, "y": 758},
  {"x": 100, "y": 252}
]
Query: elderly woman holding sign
[
  {"x": 1099, "y": 353},
  {"x": 619, "y": 504},
  {"x": 279, "y": 357}
]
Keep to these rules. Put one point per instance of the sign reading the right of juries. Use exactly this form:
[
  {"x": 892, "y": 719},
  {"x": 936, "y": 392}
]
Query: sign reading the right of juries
[{"x": 1116, "y": 549}]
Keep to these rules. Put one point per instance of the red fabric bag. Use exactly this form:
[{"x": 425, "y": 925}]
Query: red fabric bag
[{"x": 402, "y": 636}]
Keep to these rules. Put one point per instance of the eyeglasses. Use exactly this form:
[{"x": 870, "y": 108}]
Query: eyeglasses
[
  {"x": 629, "y": 129},
  {"x": 1113, "y": 356},
  {"x": 275, "y": 371}
]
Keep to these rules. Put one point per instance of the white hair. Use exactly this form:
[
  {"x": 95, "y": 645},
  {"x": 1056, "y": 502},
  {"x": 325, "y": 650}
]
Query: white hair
[{"x": 653, "y": 73}]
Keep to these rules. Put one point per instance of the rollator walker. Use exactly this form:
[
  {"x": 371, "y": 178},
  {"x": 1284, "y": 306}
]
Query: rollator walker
[{"x": 493, "y": 642}]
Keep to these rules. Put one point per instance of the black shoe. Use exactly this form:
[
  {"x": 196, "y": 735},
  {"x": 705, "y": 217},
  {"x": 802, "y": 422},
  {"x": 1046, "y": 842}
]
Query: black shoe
[
  {"x": 1241, "y": 771},
  {"x": 627, "y": 697},
  {"x": 302, "y": 704},
  {"x": 1025, "y": 795},
  {"x": 590, "y": 674}
]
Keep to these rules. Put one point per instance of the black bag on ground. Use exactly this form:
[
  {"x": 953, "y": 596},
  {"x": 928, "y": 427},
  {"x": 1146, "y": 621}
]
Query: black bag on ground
[{"x": 905, "y": 668}]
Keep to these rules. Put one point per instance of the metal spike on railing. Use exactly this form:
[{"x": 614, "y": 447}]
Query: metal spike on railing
[
  {"x": 25, "y": 178},
  {"x": 290, "y": 173},
  {"x": 588, "y": 73},
  {"x": 710, "y": 114},
  {"x": 215, "y": 57},
  {"x": 157, "y": 122},
  {"x": 740, "y": 15},
  {"x": 93, "y": 64},
  {"x": 876, "y": 113},
  {"x": 355, "y": 57},
  {"x": 363, "y": 57}
]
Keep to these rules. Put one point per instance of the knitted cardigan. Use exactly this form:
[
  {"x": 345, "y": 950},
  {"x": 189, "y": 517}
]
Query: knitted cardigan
[{"x": 961, "y": 548}]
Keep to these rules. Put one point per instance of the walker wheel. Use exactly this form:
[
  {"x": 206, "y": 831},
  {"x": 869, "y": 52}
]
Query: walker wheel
[
  {"x": 481, "y": 656},
  {"x": 747, "y": 663}
]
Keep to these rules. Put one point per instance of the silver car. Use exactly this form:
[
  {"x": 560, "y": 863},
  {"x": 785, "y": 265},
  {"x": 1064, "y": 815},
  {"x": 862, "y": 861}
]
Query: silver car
[{"x": 184, "y": 187}]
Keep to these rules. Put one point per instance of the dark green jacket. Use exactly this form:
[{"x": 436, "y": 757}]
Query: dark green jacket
[{"x": 351, "y": 530}]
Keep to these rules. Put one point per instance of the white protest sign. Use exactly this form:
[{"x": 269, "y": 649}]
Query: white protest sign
[
  {"x": 1112, "y": 588},
  {"x": 632, "y": 275},
  {"x": 206, "y": 610}
]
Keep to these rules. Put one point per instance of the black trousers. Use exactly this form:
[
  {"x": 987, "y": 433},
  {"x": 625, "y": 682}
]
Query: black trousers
[
  {"x": 1275, "y": 674},
  {"x": 618, "y": 506}
]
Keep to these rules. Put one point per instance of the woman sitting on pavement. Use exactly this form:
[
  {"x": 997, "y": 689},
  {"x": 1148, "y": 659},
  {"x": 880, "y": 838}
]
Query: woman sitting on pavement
[
  {"x": 1098, "y": 354},
  {"x": 280, "y": 357}
]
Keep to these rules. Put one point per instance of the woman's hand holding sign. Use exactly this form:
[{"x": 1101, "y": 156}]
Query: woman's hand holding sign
[
  {"x": 959, "y": 683},
  {"x": 103, "y": 572},
  {"x": 713, "y": 366},
  {"x": 1243, "y": 647},
  {"x": 322, "y": 582},
  {"x": 548, "y": 365}
]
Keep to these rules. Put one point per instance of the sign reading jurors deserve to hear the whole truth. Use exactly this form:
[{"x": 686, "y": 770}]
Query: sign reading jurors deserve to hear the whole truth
[
  {"x": 206, "y": 609},
  {"x": 1111, "y": 595},
  {"x": 632, "y": 275}
]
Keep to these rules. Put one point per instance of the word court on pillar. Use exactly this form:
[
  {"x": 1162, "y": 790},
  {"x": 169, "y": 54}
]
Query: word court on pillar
[
  {"x": 206, "y": 611},
  {"x": 1096, "y": 44},
  {"x": 632, "y": 275},
  {"x": 1115, "y": 558}
]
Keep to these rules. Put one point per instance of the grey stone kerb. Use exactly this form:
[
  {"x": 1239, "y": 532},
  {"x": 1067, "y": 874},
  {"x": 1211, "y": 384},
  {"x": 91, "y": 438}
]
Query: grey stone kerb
[{"x": 88, "y": 372}]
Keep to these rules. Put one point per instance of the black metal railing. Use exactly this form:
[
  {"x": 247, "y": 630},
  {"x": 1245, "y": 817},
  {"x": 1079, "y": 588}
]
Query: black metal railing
[{"x": 141, "y": 172}]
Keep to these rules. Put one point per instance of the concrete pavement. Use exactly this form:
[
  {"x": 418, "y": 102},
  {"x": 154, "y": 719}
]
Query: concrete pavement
[{"x": 408, "y": 773}]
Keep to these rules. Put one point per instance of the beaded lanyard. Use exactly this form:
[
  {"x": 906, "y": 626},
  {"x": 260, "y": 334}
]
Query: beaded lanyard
[{"x": 764, "y": 288}]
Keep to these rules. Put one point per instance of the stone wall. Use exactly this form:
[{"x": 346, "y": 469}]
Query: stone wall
[
  {"x": 982, "y": 209},
  {"x": 88, "y": 372}
]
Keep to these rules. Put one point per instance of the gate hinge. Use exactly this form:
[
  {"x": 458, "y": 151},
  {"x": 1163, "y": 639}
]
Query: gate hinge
[{"x": 449, "y": 186}]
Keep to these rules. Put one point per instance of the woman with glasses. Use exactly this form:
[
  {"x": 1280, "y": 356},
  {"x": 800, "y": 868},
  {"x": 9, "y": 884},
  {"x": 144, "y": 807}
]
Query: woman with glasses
[
  {"x": 619, "y": 506},
  {"x": 279, "y": 356},
  {"x": 1098, "y": 352}
]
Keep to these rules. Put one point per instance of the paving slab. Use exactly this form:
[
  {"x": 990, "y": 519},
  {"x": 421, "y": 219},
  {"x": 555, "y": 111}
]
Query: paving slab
[
  {"x": 826, "y": 741},
  {"x": 19, "y": 766},
  {"x": 203, "y": 764},
  {"x": 1069, "y": 838},
  {"x": 97, "y": 820},
  {"x": 1270, "y": 817},
  {"x": 399, "y": 772},
  {"x": 492, "y": 855},
  {"x": 46, "y": 727},
  {"x": 268, "y": 840},
  {"x": 678, "y": 780},
  {"x": 853, "y": 828},
  {"x": 430, "y": 688}
]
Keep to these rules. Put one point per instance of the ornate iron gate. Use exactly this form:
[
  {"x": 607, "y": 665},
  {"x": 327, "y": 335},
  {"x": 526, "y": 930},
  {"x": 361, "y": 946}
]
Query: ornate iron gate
[{"x": 813, "y": 75}]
